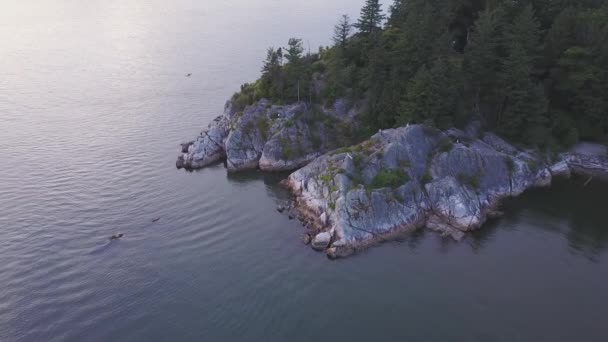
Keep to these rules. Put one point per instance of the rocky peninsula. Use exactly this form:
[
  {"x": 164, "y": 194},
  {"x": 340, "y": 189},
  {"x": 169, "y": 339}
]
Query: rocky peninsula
[{"x": 397, "y": 181}]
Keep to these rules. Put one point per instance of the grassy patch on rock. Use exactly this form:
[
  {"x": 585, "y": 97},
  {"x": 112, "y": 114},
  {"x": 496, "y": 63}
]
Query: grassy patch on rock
[
  {"x": 472, "y": 181},
  {"x": 389, "y": 179},
  {"x": 427, "y": 177},
  {"x": 286, "y": 149},
  {"x": 445, "y": 145},
  {"x": 263, "y": 126}
]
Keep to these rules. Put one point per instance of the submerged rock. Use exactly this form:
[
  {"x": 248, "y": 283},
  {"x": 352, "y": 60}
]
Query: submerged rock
[{"x": 411, "y": 177}]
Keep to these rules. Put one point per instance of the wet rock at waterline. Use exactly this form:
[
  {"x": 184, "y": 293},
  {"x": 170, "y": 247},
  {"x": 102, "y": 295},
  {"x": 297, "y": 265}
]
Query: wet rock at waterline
[{"x": 321, "y": 241}]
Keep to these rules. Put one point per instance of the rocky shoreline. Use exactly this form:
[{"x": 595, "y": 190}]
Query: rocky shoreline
[
  {"x": 270, "y": 137},
  {"x": 399, "y": 180},
  {"x": 416, "y": 177}
]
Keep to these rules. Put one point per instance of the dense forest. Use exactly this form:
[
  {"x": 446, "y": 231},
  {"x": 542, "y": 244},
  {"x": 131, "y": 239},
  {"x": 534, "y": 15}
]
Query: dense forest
[{"x": 534, "y": 71}]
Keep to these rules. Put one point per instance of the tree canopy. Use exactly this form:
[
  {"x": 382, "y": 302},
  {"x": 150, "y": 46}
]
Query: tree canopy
[{"x": 534, "y": 71}]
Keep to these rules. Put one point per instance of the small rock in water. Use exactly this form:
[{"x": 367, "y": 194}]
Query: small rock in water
[
  {"x": 280, "y": 208},
  {"x": 306, "y": 239},
  {"x": 156, "y": 219},
  {"x": 186, "y": 146},
  {"x": 180, "y": 163},
  {"x": 321, "y": 241},
  {"x": 332, "y": 253}
]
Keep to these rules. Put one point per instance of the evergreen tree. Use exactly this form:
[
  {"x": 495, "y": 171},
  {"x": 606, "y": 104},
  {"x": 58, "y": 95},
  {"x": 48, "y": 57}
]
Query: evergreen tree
[
  {"x": 417, "y": 100},
  {"x": 294, "y": 50},
  {"x": 525, "y": 31},
  {"x": 272, "y": 81},
  {"x": 296, "y": 73},
  {"x": 482, "y": 65},
  {"x": 371, "y": 17},
  {"x": 524, "y": 104},
  {"x": 342, "y": 31},
  {"x": 561, "y": 36},
  {"x": 523, "y": 114},
  {"x": 432, "y": 96},
  {"x": 421, "y": 36},
  {"x": 382, "y": 83},
  {"x": 396, "y": 13},
  {"x": 403, "y": 50}
]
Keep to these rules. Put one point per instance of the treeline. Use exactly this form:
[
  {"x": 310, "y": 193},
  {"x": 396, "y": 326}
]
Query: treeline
[
  {"x": 288, "y": 76},
  {"x": 535, "y": 71}
]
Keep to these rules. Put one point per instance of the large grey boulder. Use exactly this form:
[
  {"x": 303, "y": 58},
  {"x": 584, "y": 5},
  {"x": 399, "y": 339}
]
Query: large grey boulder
[
  {"x": 208, "y": 148},
  {"x": 321, "y": 241}
]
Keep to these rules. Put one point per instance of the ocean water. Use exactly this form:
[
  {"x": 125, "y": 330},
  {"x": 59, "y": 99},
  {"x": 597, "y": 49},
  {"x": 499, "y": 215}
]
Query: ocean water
[{"x": 93, "y": 105}]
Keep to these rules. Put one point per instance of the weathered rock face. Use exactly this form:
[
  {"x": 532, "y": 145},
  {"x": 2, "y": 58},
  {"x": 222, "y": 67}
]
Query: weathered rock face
[
  {"x": 411, "y": 177},
  {"x": 272, "y": 138},
  {"x": 208, "y": 148}
]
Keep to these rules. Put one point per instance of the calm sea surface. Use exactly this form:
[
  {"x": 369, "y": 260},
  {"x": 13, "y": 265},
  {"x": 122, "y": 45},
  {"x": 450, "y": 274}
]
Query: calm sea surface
[{"x": 93, "y": 103}]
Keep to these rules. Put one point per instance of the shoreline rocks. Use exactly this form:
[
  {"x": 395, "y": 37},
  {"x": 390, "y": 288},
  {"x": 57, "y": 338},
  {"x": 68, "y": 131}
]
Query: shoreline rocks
[
  {"x": 416, "y": 177},
  {"x": 269, "y": 137},
  {"x": 321, "y": 241},
  {"x": 208, "y": 148}
]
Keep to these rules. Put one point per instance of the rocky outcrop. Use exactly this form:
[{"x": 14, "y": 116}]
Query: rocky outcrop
[
  {"x": 270, "y": 137},
  {"x": 398, "y": 181},
  {"x": 411, "y": 177},
  {"x": 208, "y": 148}
]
